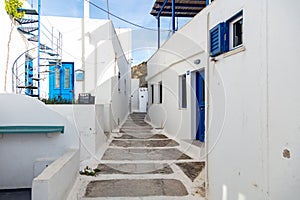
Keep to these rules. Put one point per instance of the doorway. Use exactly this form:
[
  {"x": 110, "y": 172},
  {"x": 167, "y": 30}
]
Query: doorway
[
  {"x": 61, "y": 82},
  {"x": 200, "y": 105}
]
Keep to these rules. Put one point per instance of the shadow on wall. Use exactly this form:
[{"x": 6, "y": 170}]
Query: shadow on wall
[{"x": 157, "y": 116}]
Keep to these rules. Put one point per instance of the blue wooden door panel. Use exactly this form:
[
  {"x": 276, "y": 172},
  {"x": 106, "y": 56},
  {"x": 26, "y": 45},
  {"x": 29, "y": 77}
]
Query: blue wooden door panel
[
  {"x": 61, "y": 81},
  {"x": 200, "y": 92}
]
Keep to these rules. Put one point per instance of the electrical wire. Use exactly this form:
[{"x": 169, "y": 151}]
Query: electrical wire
[{"x": 120, "y": 18}]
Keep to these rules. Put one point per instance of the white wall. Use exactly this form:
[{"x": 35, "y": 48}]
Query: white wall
[
  {"x": 95, "y": 46},
  {"x": 110, "y": 89},
  {"x": 92, "y": 45},
  {"x": 19, "y": 152},
  {"x": 173, "y": 59},
  {"x": 284, "y": 99},
  {"x": 88, "y": 120},
  {"x": 56, "y": 181},
  {"x": 125, "y": 38},
  {"x": 134, "y": 95},
  {"x": 252, "y": 106}
]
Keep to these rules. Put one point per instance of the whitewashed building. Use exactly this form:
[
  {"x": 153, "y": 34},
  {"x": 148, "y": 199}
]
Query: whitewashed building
[
  {"x": 35, "y": 136},
  {"x": 245, "y": 52}
]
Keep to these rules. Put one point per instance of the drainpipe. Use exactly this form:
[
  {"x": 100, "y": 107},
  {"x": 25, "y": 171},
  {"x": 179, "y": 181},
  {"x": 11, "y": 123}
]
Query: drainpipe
[
  {"x": 84, "y": 37},
  {"x": 207, "y": 106}
]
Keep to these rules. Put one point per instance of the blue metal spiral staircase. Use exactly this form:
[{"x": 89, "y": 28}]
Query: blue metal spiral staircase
[{"x": 32, "y": 66}]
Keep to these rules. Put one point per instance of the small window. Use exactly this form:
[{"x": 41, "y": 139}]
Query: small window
[
  {"x": 152, "y": 94},
  {"x": 79, "y": 76},
  {"x": 125, "y": 86},
  {"x": 57, "y": 77},
  {"x": 67, "y": 78},
  {"x": 182, "y": 92},
  {"x": 119, "y": 81},
  {"x": 160, "y": 92},
  {"x": 236, "y": 30},
  {"x": 227, "y": 35}
]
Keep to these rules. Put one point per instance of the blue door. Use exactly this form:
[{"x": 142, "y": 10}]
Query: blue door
[
  {"x": 200, "y": 92},
  {"x": 61, "y": 82}
]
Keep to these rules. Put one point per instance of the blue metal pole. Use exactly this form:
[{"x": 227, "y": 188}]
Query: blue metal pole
[
  {"x": 158, "y": 30},
  {"x": 39, "y": 44},
  {"x": 173, "y": 16},
  {"x": 158, "y": 21},
  {"x": 162, "y": 8},
  {"x": 207, "y": 2}
]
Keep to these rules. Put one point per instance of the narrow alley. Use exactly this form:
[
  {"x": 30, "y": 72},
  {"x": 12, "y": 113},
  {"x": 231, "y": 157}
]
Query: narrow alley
[{"x": 143, "y": 163}]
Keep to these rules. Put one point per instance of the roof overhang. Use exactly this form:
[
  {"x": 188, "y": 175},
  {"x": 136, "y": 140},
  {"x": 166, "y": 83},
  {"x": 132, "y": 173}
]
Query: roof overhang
[{"x": 183, "y": 8}]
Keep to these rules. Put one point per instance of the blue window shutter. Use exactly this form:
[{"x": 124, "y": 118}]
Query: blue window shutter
[{"x": 218, "y": 39}]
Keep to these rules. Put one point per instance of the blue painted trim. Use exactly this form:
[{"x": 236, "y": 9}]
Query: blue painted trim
[
  {"x": 31, "y": 129},
  {"x": 207, "y": 2},
  {"x": 228, "y": 21},
  {"x": 219, "y": 36},
  {"x": 217, "y": 39},
  {"x": 240, "y": 13}
]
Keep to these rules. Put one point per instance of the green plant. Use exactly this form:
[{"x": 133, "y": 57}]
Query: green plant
[
  {"x": 89, "y": 171},
  {"x": 56, "y": 101},
  {"x": 11, "y": 7}
]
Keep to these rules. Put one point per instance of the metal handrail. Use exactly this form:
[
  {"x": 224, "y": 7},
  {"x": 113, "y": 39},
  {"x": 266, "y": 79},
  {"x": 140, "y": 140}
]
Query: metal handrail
[{"x": 13, "y": 67}]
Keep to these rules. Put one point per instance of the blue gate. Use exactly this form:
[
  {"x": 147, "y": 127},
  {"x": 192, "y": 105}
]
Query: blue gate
[
  {"x": 61, "y": 82},
  {"x": 200, "y": 92}
]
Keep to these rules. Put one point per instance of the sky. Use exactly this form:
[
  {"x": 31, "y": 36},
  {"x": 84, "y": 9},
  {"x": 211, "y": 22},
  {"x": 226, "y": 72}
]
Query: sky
[{"x": 136, "y": 11}]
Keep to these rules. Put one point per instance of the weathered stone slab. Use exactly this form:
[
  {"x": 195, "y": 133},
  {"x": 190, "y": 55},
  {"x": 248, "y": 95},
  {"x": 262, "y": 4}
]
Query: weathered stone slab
[
  {"x": 144, "y": 154},
  {"x": 191, "y": 169},
  {"x": 135, "y": 188},
  {"x": 135, "y": 168},
  {"x": 144, "y": 143},
  {"x": 135, "y": 131},
  {"x": 142, "y": 136}
]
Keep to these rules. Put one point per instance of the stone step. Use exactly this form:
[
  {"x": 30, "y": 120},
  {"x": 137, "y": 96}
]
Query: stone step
[
  {"x": 133, "y": 136},
  {"x": 144, "y": 143},
  {"x": 134, "y": 168},
  {"x": 144, "y": 154},
  {"x": 135, "y": 188}
]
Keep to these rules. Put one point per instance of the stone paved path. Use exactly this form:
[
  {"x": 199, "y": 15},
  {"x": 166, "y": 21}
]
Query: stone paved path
[{"x": 143, "y": 163}]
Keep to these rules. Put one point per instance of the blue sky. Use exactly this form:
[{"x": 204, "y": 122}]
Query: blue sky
[{"x": 136, "y": 11}]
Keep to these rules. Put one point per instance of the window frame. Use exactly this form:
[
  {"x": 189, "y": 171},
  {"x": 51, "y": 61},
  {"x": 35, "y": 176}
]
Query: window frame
[
  {"x": 225, "y": 35},
  {"x": 152, "y": 93},
  {"x": 57, "y": 78},
  {"x": 182, "y": 83},
  {"x": 125, "y": 87},
  {"x": 67, "y": 81},
  {"x": 160, "y": 93},
  {"x": 119, "y": 81},
  {"x": 232, "y": 35}
]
